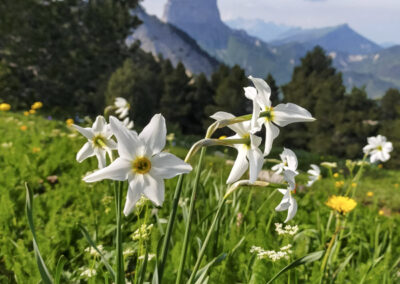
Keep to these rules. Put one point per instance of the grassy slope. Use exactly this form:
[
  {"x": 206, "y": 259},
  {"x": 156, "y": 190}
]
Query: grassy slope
[{"x": 58, "y": 208}]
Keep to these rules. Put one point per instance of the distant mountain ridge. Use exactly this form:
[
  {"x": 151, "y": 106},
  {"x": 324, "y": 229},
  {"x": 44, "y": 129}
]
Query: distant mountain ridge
[
  {"x": 192, "y": 29},
  {"x": 266, "y": 31},
  {"x": 340, "y": 38}
]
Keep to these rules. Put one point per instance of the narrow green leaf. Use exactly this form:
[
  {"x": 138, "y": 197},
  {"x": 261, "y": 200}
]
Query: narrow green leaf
[
  {"x": 60, "y": 265},
  {"x": 201, "y": 276},
  {"x": 303, "y": 260},
  {"x": 44, "y": 272},
  {"x": 103, "y": 259},
  {"x": 142, "y": 271}
]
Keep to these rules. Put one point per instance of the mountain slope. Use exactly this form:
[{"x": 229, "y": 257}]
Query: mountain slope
[
  {"x": 267, "y": 31},
  {"x": 172, "y": 43},
  {"x": 378, "y": 71},
  {"x": 339, "y": 39}
]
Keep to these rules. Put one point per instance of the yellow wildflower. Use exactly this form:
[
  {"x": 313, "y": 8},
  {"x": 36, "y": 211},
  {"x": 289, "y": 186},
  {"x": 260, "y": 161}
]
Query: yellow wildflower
[
  {"x": 37, "y": 105},
  {"x": 69, "y": 121},
  {"x": 381, "y": 212},
  {"x": 353, "y": 184},
  {"x": 23, "y": 128},
  {"x": 341, "y": 204},
  {"x": 370, "y": 194},
  {"x": 32, "y": 111},
  {"x": 35, "y": 149},
  {"x": 339, "y": 183},
  {"x": 26, "y": 113},
  {"x": 5, "y": 107},
  {"x": 335, "y": 175}
]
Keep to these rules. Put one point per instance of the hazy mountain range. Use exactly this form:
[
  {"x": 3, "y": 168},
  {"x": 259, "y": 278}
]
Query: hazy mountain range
[{"x": 270, "y": 48}]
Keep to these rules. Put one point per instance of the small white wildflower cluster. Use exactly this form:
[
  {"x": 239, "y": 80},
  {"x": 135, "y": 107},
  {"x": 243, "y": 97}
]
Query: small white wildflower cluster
[
  {"x": 143, "y": 233},
  {"x": 150, "y": 256},
  {"x": 128, "y": 252},
  {"x": 94, "y": 252},
  {"x": 287, "y": 230},
  {"x": 284, "y": 252},
  {"x": 88, "y": 273}
]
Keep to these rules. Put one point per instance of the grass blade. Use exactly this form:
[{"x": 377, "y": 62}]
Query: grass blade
[
  {"x": 44, "y": 272},
  {"x": 60, "y": 265},
  {"x": 85, "y": 233},
  {"x": 303, "y": 260}
]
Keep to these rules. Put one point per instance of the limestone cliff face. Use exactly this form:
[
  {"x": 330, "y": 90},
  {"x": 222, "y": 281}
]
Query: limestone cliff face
[
  {"x": 200, "y": 19},
  {"x": 162, "y": 38}
]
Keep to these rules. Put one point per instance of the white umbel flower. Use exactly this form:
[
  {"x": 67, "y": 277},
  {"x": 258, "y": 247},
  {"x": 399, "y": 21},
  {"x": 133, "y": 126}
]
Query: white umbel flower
[
  {"x": 249, "y": 155},
  {"x": 99, "y": 141},
  {"x": 289, "y": 162},
  {"x": 141, "y": 162},
  {"x": 122, "y": 107},
  {"x": 128, "y": 123},
  {"x": 281, "y": 115},
  {"x": 378, "y": 148},
  {"x": 314, "y": 174}
]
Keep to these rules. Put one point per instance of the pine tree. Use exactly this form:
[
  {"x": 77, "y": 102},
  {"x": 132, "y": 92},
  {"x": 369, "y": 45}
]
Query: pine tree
[
  {"x": 274, "y": 89},
  {"x": 200, "y": 96},
  {"x": 175, "y": 102},
  {"x": 316, "y": 86},
  {"x": 390, "y": 105},
  {"x": 229, "y": 93},
  {"x": 356, "y": 121}
]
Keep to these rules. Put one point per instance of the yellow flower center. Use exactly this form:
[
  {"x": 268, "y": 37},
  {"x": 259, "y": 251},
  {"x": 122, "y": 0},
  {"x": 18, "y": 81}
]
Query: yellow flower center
[
  {"x": 99, "y": 141},
  {"x": 141, "y": 165},
  {"x": 269, "y": 113},
  {"x": 379, "y": 148}
]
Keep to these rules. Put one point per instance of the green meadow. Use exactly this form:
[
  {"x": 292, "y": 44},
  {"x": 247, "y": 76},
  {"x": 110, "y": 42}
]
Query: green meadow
[{"x": 41, "y": 153}]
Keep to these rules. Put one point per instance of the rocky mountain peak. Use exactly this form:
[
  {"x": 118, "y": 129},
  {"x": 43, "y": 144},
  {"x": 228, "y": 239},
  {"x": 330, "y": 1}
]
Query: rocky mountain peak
[{"x": 200, "y": 19}]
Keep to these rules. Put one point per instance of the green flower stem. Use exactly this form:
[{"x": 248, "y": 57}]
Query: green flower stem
[
  {"x": 222, "y": 123},
  {"x": 120, "y": 257},
  {"x": 171, "y": 220},
  {"x": 357, "y": 177},
  {"x": 328, "y": 250},
  {"x": 214, "y": 142},
  {"x": 190, "y": 217},
  {"x": 205, "y": 243}
]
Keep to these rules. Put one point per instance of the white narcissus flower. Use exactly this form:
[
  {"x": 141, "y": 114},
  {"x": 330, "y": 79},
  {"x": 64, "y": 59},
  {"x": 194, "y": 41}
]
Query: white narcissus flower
[
  {"x": 288, "y": 202},
  {"x": 314, "y": 174},
  {"x": 281, "y": 115},
  {"x": 249, "y": 155},
  {"x": 289, "y": 162},
  {"x": 141, "y": 162},
  {"x": 128, "y": 123},
  {"x": 99, "y": 141},
  {"x": 122, "y": 107},
  {"x": 378, "y": 148}
]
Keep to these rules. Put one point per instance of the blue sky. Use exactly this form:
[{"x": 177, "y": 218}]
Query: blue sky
[{"x": 378, "y": 20}]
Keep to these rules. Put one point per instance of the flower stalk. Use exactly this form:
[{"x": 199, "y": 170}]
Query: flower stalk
[
  {"x": 330, "y": 245},
  {"x": 118, "y": 186},
  {"x": 190, "y": 217}
]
